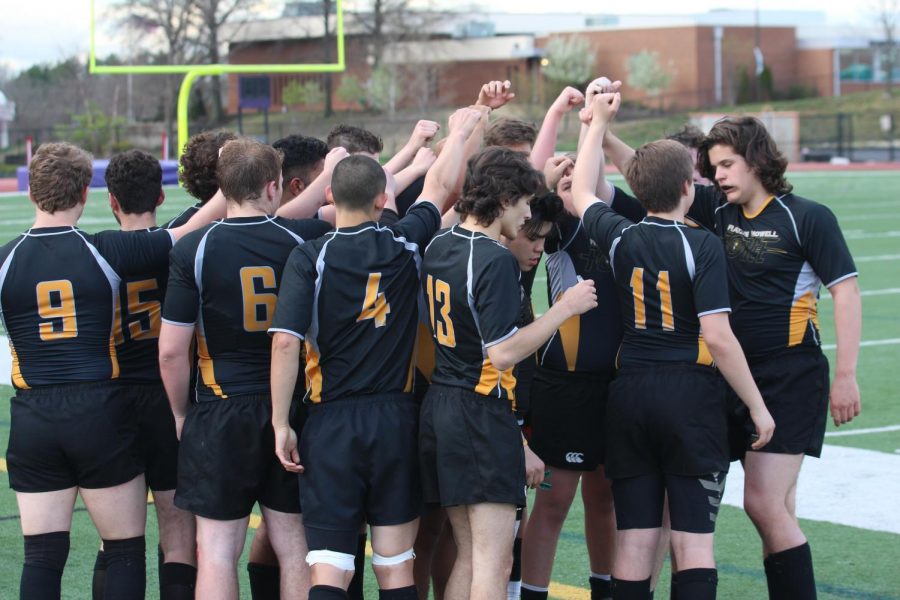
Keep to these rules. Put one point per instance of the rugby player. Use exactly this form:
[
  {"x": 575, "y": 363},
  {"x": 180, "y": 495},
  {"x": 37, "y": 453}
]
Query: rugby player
[
  {"x": 304, "y": 160},
  {"x": 198, "y": 170},
  {"x": 73, "y": 428},
  {"x": 223, "y": 282},
  {"x": 667, "y": 411},
  {"x": 471, "y": 282},
  {"x": 352, "y": 297}
]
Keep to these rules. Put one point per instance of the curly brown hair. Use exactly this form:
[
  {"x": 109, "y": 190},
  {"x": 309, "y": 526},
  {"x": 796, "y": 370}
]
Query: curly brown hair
[
  {"x": 58, "y": 175},
  {"x": 198, "y": 163},
  {"x": 135, "y": 179},
  {"x": 749, "y": 138},
  {"x": 496, "y": 177}
]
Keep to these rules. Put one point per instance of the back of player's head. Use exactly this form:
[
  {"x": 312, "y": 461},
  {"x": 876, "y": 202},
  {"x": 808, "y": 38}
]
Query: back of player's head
[
  {"x": 545, "y": 208},
  {"x": 510, "y": 133},
  {"x": 354, "y": 140},
  {"x": 245, "y": 167},
  {"x": 657, "y": 174},
  {"x": 496, "y": 177},
  {"x": 748, "y": 137},
  {"x": 688, "y": 136},
  {"x": 135, "y": 179},
  {"x": 356, "y": 181},
  {"x": 198, "y": 163},
  {"x": 301, "y": 155},
  {"x": 57, "y": 176}
]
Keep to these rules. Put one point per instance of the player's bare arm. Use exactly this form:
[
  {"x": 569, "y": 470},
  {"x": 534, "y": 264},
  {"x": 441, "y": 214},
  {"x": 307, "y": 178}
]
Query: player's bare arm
[
  {"x": 577, "y": 300},
  {"x": 495, "y": 94},
  {"x": 845, "y": 401},
  {"x": 730, "y": 360},
  {"x": 545, "y": 144},
  {"x": 422, "y": 135},
  {"x": 423, "y": 160},
  {"x": 312, "y": 198},
  {"x": 441, "y": 180},
  {"x": 601, "y": 85},
  {"x": 555, "y": 168},
  {"x": 175, "y": 368},
  {"x": 589, "y": 167},
  {"x": 209, "y": 212},
  {"x": 285, "y": 369}
]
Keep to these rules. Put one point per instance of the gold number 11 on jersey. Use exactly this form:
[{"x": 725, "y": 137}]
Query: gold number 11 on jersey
[
  {"x": 375, "y": 306},
  {"x": 665, "y": 298}
]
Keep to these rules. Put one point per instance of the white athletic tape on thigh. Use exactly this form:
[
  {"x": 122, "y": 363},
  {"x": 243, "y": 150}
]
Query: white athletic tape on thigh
[
  {"x": 335, "y": 559},
  {"x": 390, "y": 561}
]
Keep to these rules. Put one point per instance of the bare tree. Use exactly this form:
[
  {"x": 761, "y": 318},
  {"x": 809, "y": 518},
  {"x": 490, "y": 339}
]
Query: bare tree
[{"x": 887, "y": 14}]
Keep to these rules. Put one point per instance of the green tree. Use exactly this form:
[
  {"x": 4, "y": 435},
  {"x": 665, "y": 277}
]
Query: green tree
[
  {"x": 95, "y": 131},
  {"x": 351, "y": 91},
  {"x": 568, "y": 61},
  {"x": 646, "y": 73},
  {"x": 307, "y": 94}
]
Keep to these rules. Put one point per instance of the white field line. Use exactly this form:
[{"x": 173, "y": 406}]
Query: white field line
[
  {"x": 869, "y": 217},
  {"x": 877, "y": 258},
  {"x": 884, "y": 292},
  {"x": 867, "y": 431},
  {"x": 867, "y": 344},
  {"x": 858, "y": 234}
]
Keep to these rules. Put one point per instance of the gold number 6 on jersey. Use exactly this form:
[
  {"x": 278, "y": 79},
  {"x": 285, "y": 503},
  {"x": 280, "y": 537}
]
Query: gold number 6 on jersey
[{"x": 254, "y": 301}]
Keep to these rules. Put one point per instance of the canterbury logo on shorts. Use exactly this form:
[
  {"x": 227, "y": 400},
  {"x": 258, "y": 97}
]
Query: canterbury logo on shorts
[{"x": 575, "y": 457}]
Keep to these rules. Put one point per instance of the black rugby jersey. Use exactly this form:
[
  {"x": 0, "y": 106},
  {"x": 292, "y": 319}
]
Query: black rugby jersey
[
  {"x": 353, "y": 297},
  {"x": 587, "y": 342},
  {"x": 183, "y": 217},
  {"x": 777, "y": 261},
  {"x": 224, "y": 281},
  {"x": 472, "y": 289},
  {"x": 141, "y": 297},
  {"x": 668, "y": 276},
  {"x": 59, "y": 297}
]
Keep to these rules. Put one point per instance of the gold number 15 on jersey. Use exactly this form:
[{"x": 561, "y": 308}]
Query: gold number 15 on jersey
[
  {"x": 439, "y": 291},
  {"x": 56, "y": 302}
]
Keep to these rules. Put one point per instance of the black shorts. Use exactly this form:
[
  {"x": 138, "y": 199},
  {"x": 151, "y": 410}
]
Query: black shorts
[
  {"x": 795, "y": 385},
  {"x": 361, "y": 465},
  {"x": 568, "y": 411},
  {"x": 666, "y": 419},
  {"x": 470, "y": 448},
  {"x": 75, "y": 435},
  {"x": 693, "y": 501},
  {"x": 227, "y": 462},
  {"x": 159, "y": 443}
]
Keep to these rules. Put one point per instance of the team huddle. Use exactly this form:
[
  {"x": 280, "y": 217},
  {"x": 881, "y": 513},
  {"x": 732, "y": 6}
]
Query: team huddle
[{"x": 353, "y": 348}]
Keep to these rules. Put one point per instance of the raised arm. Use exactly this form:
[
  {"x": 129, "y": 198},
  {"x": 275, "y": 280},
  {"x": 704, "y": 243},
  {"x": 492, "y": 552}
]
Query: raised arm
[
  {"x": 545, "y": 144},
  {"x": 423, "y": 160},
  {"x": 495, "y": 94},
  {"x": 440, "y": 182},
  {"x": 312, "y": 198},
  {"x": 209, "y": 212},
  {"x": 590, "y": 164},
  {"x": 845, "y": 402},
  {"x": 601, "y": 85},
  {"x": 422, "y": 134}
]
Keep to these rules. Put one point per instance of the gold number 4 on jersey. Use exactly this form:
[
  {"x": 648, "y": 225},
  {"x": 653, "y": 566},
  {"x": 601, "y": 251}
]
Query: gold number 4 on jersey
[{"x": 375, "y": 306}]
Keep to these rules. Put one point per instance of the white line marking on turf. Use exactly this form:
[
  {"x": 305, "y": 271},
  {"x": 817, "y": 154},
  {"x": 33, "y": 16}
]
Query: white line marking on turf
[
  {"x": 884, "y": 292},
  {"x": 866, "y": 431},
  {"x": 858, "y": 234},
  {"x": 844, "y": 477},
  {"x": 887, "y": 342},
  {"x": 869, "y": 217},
  {"x": 877, "y": 258}
]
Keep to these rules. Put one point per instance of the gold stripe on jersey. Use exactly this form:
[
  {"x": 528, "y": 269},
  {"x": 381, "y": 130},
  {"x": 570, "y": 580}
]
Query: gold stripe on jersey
[
  {"x": 491, "y": 377},
  {"x": 207, "y": 369},
  {"x": 570, "y": 335},
  {"x": 802, "y": 311},
  {"x": 758, "y": 212},
  {"x": 425, "y": 351},
  {"x": 17, "y": 378},
  {"x": 703, "y": 355},
  {"x": 116, "y": 336},
  {"x": 313, "y": 374}
]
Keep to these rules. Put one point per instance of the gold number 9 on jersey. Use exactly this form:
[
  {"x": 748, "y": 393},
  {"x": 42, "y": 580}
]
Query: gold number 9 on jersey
[
  {"x": 254, "y": 300},
  {"x": 439, "y": 290},
  {"x": 56, "y": 302}
]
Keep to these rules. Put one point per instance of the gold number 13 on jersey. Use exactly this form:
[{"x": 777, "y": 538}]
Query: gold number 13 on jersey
[
  {"x": 665, "y": 299},
  {"x": 56, "y": 302},
  {"x": 439, "y": 291},
  {"x": 375, "y": 306}
]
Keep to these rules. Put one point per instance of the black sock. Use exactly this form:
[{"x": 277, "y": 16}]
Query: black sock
[
  {"x": 126, "y": 568},
  {"x": 177, "y": 581},
  {"x": 630, "y": 590},
  {"x": 327, "y": 592},
  {"x": 45, "y": 559},
  {"x": 404, "y": 593},
  {"x": 789, "y": 574},
  {"x": 355, "y": 590},
  {"x": 515, "y": 574},
  {"x": 673, "y": 587},
  {"x": 265, "y": 581},
  {"x": 600, "y": 588},
  {"x": 98, "y": 583},
  {"x": 529, "y": 594},
  {"x": 696, "y": 584}
]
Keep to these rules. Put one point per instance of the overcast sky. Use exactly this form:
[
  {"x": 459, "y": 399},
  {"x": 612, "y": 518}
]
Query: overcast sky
[{"x": 35, "y": 31}]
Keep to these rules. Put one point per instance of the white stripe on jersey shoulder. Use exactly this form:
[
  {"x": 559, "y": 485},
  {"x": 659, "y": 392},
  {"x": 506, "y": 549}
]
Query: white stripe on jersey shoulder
[
  {"x": 268, "y": 219},
  {"x": 178, "y": 323},
  {"x": 111, "y": 276},
  {"x": 791, "y": 215},
  {"x": 198, "y": 257},
  {"x": 688, "y": 255},
  {"x": 827, "y": 285},
  {"x": 313, "y": 332},
  {"x": 714, "y": 311},
  {"x": 476, "y": 235},
  {"x": 72, "y": 229},
  {"x": 297, "y": 237},
  {"x": 179, "y": 215},
  {"x": 436, "y": 236},
  {"x": 614, "y": 245},
  {"x": 511, "y": 333},
  {"x": 287, "y": 331},
  {"x": 4, "y": 270}
]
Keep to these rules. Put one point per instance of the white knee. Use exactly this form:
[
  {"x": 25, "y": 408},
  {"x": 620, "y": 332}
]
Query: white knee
[
  {"x": 339, "y": 560},
  {"x": 390, "y": 561}
]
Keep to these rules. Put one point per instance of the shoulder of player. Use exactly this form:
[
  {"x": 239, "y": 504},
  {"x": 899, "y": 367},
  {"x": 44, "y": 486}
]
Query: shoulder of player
[
  {"x": 486, "y": 252},
  {"x": 308, "y": 229}
]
